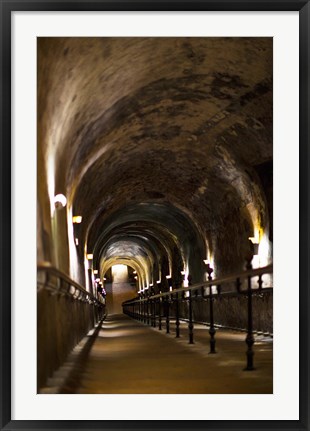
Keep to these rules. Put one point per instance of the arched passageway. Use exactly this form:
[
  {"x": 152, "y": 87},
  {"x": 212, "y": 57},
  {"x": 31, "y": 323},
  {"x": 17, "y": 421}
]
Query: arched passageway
[{"x": 154, "y": 154}]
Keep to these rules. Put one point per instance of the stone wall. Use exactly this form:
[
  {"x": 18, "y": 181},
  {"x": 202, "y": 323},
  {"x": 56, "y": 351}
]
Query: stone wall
[
  {"x": 61, "y": 323},
  {"x": 117, "y": 293}
]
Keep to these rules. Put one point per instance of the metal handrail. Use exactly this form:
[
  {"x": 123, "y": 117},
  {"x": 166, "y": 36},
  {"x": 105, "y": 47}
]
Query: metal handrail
[
  {"x": 47, "y": 268},
  {"x": 151, "y": 308},
  {"x": 214, "y": 282}
]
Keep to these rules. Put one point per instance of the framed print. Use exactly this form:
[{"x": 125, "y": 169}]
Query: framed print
[{"x": 154, "y": 165}]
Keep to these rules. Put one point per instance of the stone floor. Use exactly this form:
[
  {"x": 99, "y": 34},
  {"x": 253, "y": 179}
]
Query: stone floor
[{"x": 123, "y": 356}]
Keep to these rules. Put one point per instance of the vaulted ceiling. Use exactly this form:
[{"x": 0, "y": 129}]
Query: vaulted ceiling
[{"x": 159, "y": 142}]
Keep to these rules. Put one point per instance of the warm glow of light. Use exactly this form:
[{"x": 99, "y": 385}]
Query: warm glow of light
[
  {"x": 183, "y": 272},
  {"x": 119, "y": 270},
  {"x": 51, "y": 182},
  {"x": 158, "y": 281},
  {"x": 100, "y": 282},
  {"x": 170, "y": 288},
  {"x": 151, "y": 285},
  {"x": 89, "y": 256},
  {"x": 104, "y": 278},
  {"x": 134, "y": 272},
  {"x": 206, "y": 261},
  {"x": 73, "y": 243},
  {"x": 95, "y": 271},
  {"x": 253, "y": 239},
  {"x": 136, "y": 278},
  {"x": 77, "y": 219},
  {"x": 60, "y": 201},
  {"x": 186, "y": 272},
  {"x": 168, "y": 276},
  {"x": 97, "y": 279},
  {"x": 264, "y": 251},
  {"x": 257, "y": 228}
]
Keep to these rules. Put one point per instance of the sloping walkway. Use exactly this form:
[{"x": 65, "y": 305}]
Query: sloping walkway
[{"x": 128, "y": 357}]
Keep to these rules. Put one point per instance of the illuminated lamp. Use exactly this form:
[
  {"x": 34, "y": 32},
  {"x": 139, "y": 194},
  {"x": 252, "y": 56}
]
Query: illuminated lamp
[
  {"x": 90, "y": 256},
  {"x": 255, "y": 245},
  {"x": 60, "y": 201},
  {"x": 77, "y": 219}
]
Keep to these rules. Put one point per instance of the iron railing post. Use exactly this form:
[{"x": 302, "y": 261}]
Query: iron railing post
[
  {"x": 159, "y": 313},
  {"x": 190, "y": 313},
  {"x": 148, "y": 310},
  {"x": 153, "y": 308},
  {"x": 144, "y": 309},
  {"x": 140, "y": 308},
  {"x": 212, "y": 328},
  {"x": 177, "y": 316},
  {"x": 249, "y": 338},
  {"x": 167, "y": 315}
]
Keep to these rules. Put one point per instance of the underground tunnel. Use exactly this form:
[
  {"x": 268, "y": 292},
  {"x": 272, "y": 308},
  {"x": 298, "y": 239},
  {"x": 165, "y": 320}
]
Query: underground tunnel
[{"x": 155, "y": 175}]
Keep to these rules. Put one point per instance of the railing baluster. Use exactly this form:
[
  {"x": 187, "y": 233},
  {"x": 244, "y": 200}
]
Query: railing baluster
[
  {"x": 249, "y": 338},
  {"x": 148, "y": 314},
  {"x": 140, "y": 309},
  {"x": 190, "y": 314},
  {"x": 144, "y": 310},
  {"x": 177, "y": 317},
  {"x": 153, "y": 307},
  {"x": 238, "y": 285},
  {"x": 167, "y": 315},
  {"x": 159, "y": 313},
  {"x": 212, "y": 328},
  {"x": 260, "y": 283}
]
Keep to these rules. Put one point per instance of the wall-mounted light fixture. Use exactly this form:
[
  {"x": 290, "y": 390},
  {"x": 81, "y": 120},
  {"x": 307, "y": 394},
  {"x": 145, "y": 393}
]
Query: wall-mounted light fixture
[
  {"x": 60, "y": 201},
  {"x": 168, "y": 277},
  {"x": 134, "y": 272},
  {"x": 158, "y": 281},
  {"x": 151, "y": 284},
  {"x": 136, "y": 278},
  {"x": 104, "y": 279},
  {"x": 209, "y": 269},
  {"x": 76, "y": 241},
  {"x": 95, "y": 271},
  {"x": 77, "y": 219},
  {"x": 89, "y": 256},
  {"x": 255, "y": 245},
  {"x": 97, "y": 279}
]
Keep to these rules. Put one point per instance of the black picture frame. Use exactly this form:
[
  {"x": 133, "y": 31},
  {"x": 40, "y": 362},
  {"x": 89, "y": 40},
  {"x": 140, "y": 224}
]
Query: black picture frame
[{"x": 7, "y": 7}]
